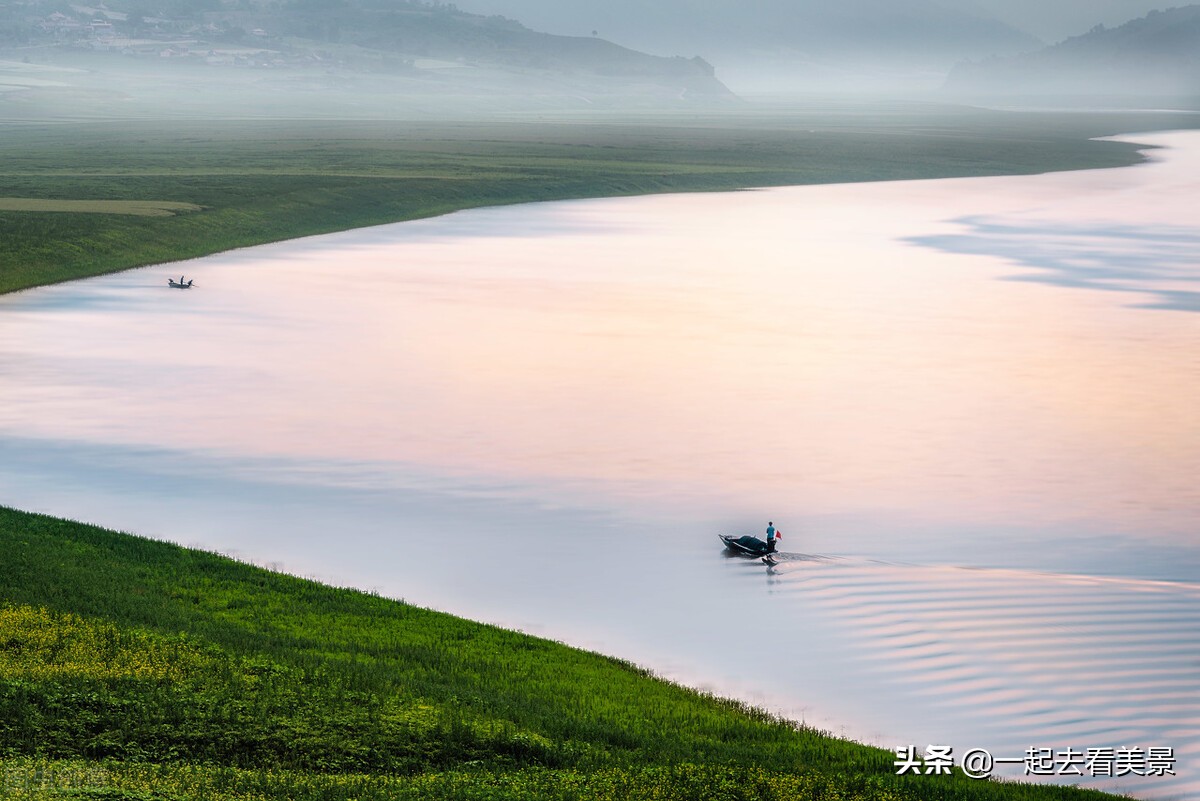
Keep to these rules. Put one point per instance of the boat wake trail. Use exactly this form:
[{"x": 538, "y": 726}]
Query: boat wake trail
[{"x": 1020, "y": 659}]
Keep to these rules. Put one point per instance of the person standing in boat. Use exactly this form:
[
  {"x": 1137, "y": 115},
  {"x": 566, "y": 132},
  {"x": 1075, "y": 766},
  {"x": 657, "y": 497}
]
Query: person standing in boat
[{"x": 772, "y": 535}]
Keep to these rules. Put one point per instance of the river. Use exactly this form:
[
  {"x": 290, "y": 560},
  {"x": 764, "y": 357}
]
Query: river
[{"x": 972, "y": 407}]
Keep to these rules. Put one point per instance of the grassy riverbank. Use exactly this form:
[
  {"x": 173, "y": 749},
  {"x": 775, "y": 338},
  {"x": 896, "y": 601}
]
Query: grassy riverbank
[
  {"x": 133, "y": 669},
  {"x": 84, "y": 198}
]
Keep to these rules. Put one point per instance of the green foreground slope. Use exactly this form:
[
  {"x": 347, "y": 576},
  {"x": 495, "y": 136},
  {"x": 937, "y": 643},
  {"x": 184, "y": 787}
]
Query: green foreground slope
[
  {"x": 137, "y": 669},
  {"x": 223, "y": 184}
]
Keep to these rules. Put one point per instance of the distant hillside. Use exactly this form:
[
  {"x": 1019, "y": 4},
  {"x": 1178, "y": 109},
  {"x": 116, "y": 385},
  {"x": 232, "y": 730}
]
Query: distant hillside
[
  {"x": 1053, "y": 22},
  {"x": 702, "y": 26},
  {"x": 1157, "y": 55},
  {"x": 813, "y": 41},
  {"x": 439, "y": 31},
  {"x": 431, "y": 45}
]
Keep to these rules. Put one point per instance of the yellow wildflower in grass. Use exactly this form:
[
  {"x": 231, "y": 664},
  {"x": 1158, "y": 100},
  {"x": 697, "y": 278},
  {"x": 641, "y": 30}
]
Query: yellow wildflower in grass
[{"x": 36, "y": 643}]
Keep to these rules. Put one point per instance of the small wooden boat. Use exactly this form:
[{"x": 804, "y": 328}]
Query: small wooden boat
[
  {"x": 744, "y": 546},
  {"x": 180, "y": 283}
]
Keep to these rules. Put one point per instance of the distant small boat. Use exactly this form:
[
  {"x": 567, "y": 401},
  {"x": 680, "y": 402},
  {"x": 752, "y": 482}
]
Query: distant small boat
[
  {"x": 744, "y": 546},
  {"x": 180, "y": 284}
]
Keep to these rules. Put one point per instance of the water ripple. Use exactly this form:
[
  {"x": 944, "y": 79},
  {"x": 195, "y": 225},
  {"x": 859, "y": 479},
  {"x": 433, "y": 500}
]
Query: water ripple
[{"x": 1031, "y": 659}]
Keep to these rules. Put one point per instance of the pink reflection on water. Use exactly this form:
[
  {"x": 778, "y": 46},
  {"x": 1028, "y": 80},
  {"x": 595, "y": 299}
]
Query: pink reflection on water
[{"x": 760, "y": 350}]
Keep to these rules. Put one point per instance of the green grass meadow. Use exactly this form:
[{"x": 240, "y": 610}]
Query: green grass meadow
[
  {"x": 135, "y": 669},
  {"x": 259, "y": 181}
]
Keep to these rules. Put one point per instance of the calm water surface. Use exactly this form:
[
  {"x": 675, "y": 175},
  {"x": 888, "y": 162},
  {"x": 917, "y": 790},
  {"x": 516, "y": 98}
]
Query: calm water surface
[{"x": 970, "y": 405}]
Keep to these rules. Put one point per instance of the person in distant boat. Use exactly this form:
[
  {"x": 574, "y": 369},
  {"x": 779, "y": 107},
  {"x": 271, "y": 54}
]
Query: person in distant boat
[{"x": 772, "y": 535}]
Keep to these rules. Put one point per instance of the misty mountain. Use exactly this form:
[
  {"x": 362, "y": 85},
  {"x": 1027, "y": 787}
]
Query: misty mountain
[
  {"x": 1155, "y": 55},
  {"x": 440, "y": 31},
  {"x": 416, "y": 46},
  {"x": 814, "y": 44},
  {"x": 1055, "y": 20}
]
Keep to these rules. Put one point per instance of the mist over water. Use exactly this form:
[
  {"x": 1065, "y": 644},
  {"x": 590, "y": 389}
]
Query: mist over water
[{"x": 968, "y": 404}]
